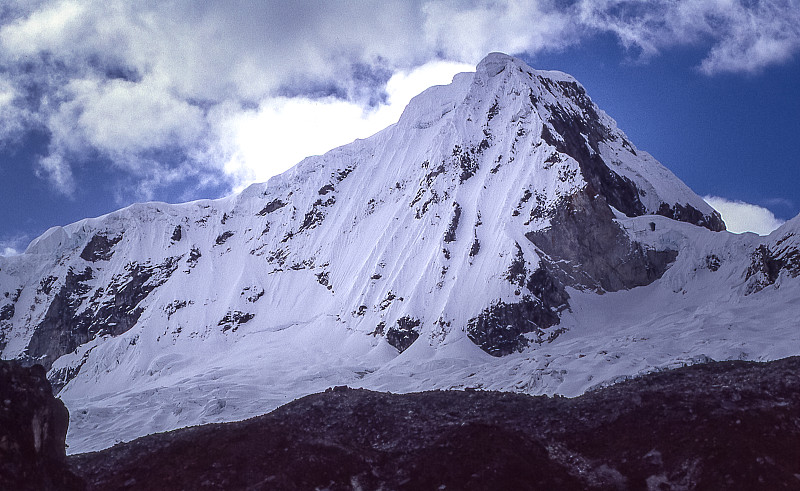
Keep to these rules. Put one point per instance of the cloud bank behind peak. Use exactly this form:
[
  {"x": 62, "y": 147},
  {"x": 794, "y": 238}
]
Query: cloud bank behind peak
[{"x": 234, "y": 92}]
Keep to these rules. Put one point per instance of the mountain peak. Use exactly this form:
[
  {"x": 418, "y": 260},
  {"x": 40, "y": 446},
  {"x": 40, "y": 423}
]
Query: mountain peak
[
  {"x": 505, "y": 100},
  {"x": 483, "y": 224},
  {"x": 495, "y": 63}
]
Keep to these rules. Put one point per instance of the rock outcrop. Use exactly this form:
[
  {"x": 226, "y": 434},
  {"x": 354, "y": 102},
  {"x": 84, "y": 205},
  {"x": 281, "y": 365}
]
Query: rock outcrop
[{"x": 33, "y": 428}]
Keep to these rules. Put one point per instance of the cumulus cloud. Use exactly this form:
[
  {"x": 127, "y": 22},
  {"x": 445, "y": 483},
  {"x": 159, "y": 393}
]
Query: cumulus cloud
[
  {"x": 13, "y": 245},
  {"x": 8, "y": 251},
  {"x": 165, "y": 91},
  {"x": 10, "y": 120},
  {"x": 469, "y": 30},
  {"x": 7, "y": 94},
  {"x": 282, "y": 130},
  {"x": 743, "y": 217},
  {"x": 744, "y": 36},
  {"x": 53, "y": 168}
]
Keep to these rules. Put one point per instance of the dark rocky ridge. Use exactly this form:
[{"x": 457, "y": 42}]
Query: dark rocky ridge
[
  {"x": 583, "y": 248},
  {"x": 500, "y": 329},
  {"x": 767, "y": 263},
  {"x": 621, "y": 192},
  {"x": 273, "y": 205},
  {"x": 404, "y": 333},
  {"x": 593, "y": 252},
  {"x": 61, "y": 329},
  {"x": 690, "y": 214},
  {"x": 33, "y": 426},
  {"x": 73, "y": 319},
  {"x": 728, "y": 425},
  {"x": 576, "y": 130},
  {"x": 7, "y": 312},
  {"x": 100, "y": 248}
]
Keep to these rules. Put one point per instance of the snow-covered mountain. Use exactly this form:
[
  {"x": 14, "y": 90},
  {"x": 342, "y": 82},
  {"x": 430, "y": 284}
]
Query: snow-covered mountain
[{"x": 503, "y": 234}]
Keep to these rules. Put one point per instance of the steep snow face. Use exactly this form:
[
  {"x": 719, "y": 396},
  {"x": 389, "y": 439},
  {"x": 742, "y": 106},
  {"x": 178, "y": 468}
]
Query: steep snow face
[
  {"x": 504, "y": 233},
  {"x": 777, "y": 259}
]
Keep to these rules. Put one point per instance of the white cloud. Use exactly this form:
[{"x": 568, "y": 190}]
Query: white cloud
[
  {"x": 7, "y": 94},
  {"x": 743, "y": 36},
  {"x": 44, "y": 29},
  {"x": 282, "y": 131},
  {"x": 13, "y": 245},
  {"x": 54, "y": 168},
  {"x": 244, "y": 88},
  {"x": 124, "y": 116},
  {"x": 9, "y": 251},
  {"x": 125, "y": 81},
  {"x": 11, "y": 118},
  {"x": 469, "y": 30},
  {"x": 740, "y": 217}
]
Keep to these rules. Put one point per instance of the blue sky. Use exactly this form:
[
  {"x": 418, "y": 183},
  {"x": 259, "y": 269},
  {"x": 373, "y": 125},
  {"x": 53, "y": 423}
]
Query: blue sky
[{"x": 105, "y": 103}]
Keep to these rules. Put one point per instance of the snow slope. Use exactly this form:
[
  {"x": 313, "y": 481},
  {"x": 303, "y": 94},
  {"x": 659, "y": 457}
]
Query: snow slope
[{"x": 504, "y": 234}]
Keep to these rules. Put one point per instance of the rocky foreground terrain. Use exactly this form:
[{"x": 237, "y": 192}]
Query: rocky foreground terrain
[
  {"x": 33, "y": 426},
  {"x": 727, "y": 425}
]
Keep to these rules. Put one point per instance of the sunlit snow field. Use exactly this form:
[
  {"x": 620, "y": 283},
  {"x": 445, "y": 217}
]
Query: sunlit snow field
[{"x": 691, "y": 315}]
